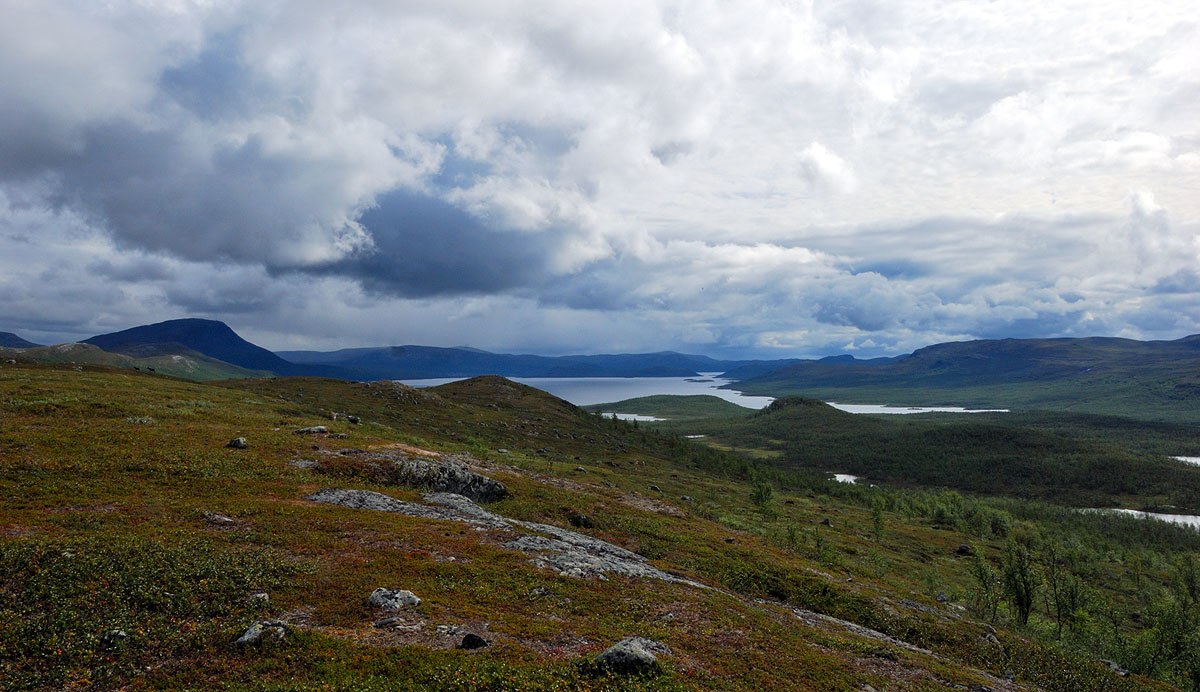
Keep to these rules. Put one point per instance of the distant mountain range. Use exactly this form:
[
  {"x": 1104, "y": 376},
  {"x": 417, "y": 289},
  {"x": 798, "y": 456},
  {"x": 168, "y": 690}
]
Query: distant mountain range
[
  {"x": 1146, "y": 379},
  {"x": 1095, "y": 374}
]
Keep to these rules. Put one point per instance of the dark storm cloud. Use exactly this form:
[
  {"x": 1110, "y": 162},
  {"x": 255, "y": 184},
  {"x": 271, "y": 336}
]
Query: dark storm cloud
[{"x": 427, "y": 247}]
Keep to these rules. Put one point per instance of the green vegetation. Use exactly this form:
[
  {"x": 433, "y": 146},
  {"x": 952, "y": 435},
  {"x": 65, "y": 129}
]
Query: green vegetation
[
  {"x": 107, "y": 526},
  {"x": 1078, "y": 460},
  {"x": 676, "y": 408}
]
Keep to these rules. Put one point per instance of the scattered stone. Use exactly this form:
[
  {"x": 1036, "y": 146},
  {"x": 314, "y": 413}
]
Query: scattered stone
[
  {"x": 473, "y": 641},
  {"x": 1010, "y": 676},
  {"x": 238, "y": 443},
  {"x": 114, "y": 638},
  {"x": 686, "y": 498},
  {"x": 941, "y": 597},
  {"x": 502, "y": 451},
  {"x": 390, "y": 621},
  {"x": 979, "y": 688},
  {"x": 263, "y": 631},
  {"x": 140, "y": 420},
  {"x": 314, "y": 430},
  {"x": 826, "y": 522},
  {"x": 655, "y": 488},
  {"x": 581, "y": 521},
  {"x": 991, "y": 639},
  {"x": 354, "y": 420},
  {"x": 450, "y": 630},
  {"x": 632, "y": 655},
  {"x": 218, "y": 520},
  {"x": 339, "y": 436},
  {"x": 964, "y": 549},
  {"x": 730, "y": 539},
  {"x": 580, "y": 469},
  {"x": 1115, "y": 667},
  {"x": 393, "y": 599},
  {"x": 259, "y": 600},
  {"x": 304, "y": 463},
  {"x": 539, "y": 592}
]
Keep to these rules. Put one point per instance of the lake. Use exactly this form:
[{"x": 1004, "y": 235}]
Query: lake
[
  {"x": 1184, "y": 519},
  {"x": 585, "y": 391}
]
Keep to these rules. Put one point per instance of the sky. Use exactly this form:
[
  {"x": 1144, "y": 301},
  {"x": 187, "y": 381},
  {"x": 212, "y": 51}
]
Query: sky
[{"x": 764, "y": 178}]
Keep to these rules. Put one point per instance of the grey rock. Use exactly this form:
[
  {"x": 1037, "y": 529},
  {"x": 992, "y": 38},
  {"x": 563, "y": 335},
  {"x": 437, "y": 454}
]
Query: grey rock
[
  {"x": 369, "y": 499},
  {"x": 1115, "y": 667},
  {"x": 393, "y": 599},
  {"x": 686, "y": 498},
  {"x": 964, "y": 549},
  {"x": 567, "y": 552},
  {"x": 259, "y": 600},
  {"x": 218, "y": 520},
  {"x": 941, "y": 597},
  {"x": 263, "y": 631},
  {"x": 991, "y": 639},
  {"x": 238, "y": 443},
  {"x": 473, "y": 641},
  {"x": 314, "y": 430},
  {"x": 113, "y": 638},
  {"x": 632, "y": 655},
  {"x": 354, "y": 420},
  {"x": 655, "y": 488},
  {"x": 443, "y": 474}
]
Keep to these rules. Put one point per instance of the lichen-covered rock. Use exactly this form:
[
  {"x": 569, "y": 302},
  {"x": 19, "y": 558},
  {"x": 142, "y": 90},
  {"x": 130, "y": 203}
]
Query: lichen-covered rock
[
  {"x": 314, "y": 430},
  {"x": 393, "y": 599},
  {"x": 263, "y": 631},
  {"x": 632, "y": 655},
  {"x": 438, "y": 474}
]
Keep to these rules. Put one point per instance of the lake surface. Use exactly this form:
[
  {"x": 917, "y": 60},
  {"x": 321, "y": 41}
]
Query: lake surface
[
  {"x": 585, "y": 391},
  {"x": 1184, "y": 519}
]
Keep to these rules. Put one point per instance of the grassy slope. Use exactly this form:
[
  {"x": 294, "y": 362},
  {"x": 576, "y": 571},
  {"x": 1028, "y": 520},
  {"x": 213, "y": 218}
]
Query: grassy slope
[
  {"x": 107, "y": 475},
  {"x": 190, "y": 366},
  {"x": 677, "y": 408}
]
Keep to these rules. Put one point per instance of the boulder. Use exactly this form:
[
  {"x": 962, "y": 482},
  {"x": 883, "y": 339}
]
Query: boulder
[
  {"x": 632, "y": 655},
  {"x": 314, "y": 430},
  {"x": 238, "y": 443},
  {"x": 473, "y": 641},
  {"x": 393, "y": 599},
  {"x": 263, "y": 631}
]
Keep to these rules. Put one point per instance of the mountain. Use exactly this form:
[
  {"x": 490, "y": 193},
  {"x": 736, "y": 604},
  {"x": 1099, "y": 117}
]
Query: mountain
[
  {"x": 208, "y": 337},
  {"x": 10, "y": 340},
  {"x": 1150, "y": 379},
  {"x": 418, "y": 362}
]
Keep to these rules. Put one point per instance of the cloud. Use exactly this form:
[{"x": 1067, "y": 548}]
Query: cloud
[{"x": 760, "y": 178}]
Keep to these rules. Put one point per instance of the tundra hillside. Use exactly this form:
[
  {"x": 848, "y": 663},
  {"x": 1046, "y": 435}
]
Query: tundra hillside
[{"x": 306, "y": 533}]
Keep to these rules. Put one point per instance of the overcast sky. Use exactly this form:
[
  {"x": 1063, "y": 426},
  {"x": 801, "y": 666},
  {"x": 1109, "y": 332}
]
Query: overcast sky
[{"x": 755, "y": 178}]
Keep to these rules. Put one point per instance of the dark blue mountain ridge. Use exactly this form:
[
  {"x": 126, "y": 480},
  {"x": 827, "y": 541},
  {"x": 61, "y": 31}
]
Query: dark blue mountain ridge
[
  {"x": 210, "y": 337},
  {"x": 10, "y": 340}
]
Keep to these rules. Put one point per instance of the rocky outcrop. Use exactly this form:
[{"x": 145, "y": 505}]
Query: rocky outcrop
[
  {"x": 263, "y": 631},
  {"x": 393, "y": 599},
  {"x": 442, "y": 474},
  {"x": 567, "y": 552},
  {"x": 632, "y": 655}
]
